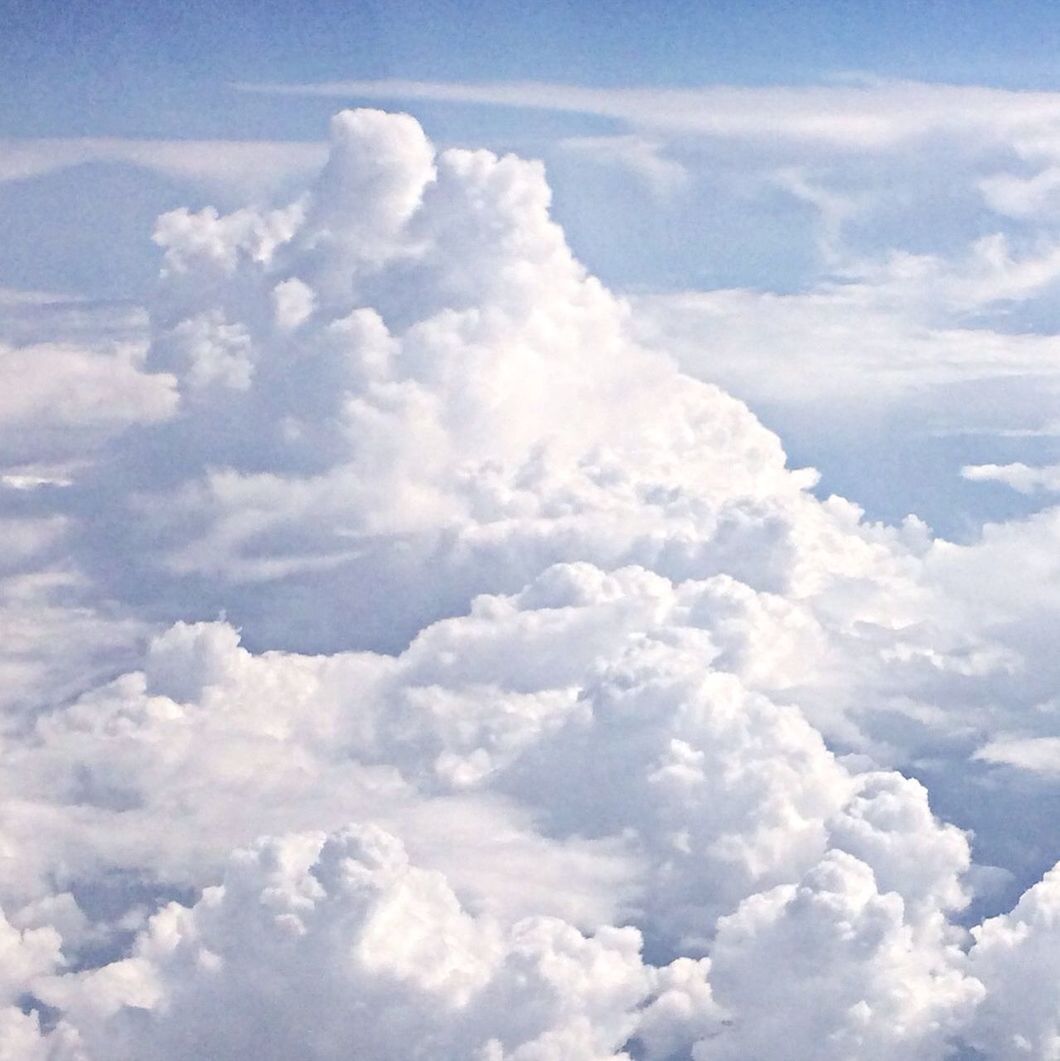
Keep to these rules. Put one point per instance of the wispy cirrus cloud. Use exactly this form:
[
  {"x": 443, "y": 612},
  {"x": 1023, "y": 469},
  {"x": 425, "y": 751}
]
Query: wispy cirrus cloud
[
  {"x": 643, "y": 157},
  {"x": 246, "y": 166},
  {"x": 1040, "y": 755},
  {"x": 863, "y": 114},
  {"x": 1022, "y": 477}
]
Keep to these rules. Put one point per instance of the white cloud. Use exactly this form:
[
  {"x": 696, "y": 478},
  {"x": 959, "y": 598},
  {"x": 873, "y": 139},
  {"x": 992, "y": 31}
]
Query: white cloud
[
  {"x": 1038, "y": 754},
  {"x": 1015, "y": 956},
  {"x": 323, "y": 946},
  {"x": 871, "y": 115},
  {"x": 1023, "y": 197},
  {"x": 878, "y": 989},
  {"x": 58, "y": 401},
  {"x": 841, "y": 345},
  {"x": 930, "y": 290},
  {"x": 643, "y": 157},
  {"x": 506, "y": 368},
  {"x": 251, "y": 167},
  {"x": 1021, "y": 477},
  {"x": 57, "y": 637},
  {"x": 42, "y": 317}
]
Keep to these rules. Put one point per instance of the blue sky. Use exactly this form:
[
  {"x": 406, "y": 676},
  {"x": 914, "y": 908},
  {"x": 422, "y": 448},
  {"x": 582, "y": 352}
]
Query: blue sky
[{"x": 155, "y": 69}]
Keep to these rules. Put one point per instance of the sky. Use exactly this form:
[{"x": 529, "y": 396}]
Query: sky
[{"x": 536, "y": 523}]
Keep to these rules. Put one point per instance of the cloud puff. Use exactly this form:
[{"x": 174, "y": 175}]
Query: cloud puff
[
  {"x": 878, "y": 989},
  {"x": 322, "y": 946},
  {"x": 308, "y": 935},
  {"x": 1015, "y": 956}
]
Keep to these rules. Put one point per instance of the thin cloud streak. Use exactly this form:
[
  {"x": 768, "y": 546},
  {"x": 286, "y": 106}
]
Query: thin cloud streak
[
  {"x": 245, "y": 165},
  {"x": 868, "y": 115}
]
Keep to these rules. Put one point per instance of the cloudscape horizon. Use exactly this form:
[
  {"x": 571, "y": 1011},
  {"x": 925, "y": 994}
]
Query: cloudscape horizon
[{"x": 582, "y": 584}]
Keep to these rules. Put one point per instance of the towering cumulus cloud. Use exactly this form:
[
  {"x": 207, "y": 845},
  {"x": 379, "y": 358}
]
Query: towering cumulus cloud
[{"x": 489, "y": 689}]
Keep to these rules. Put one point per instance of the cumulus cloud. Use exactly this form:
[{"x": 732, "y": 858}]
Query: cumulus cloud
[
  {"x": 505, "y": 370},
  {"x": 878, "y": 988},
  {"x": 398, "y": 520},
  {"x": 896, "y": 289},
  {"x": 1015, "y": 958},
  {"x": 327, "y": 945}
]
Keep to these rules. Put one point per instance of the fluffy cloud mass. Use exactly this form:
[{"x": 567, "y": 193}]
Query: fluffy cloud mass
[{"x": 443, "y": 673}]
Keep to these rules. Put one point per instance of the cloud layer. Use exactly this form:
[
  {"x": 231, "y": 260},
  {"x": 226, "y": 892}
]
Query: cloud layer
[{"x": 549, "y": 713}]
